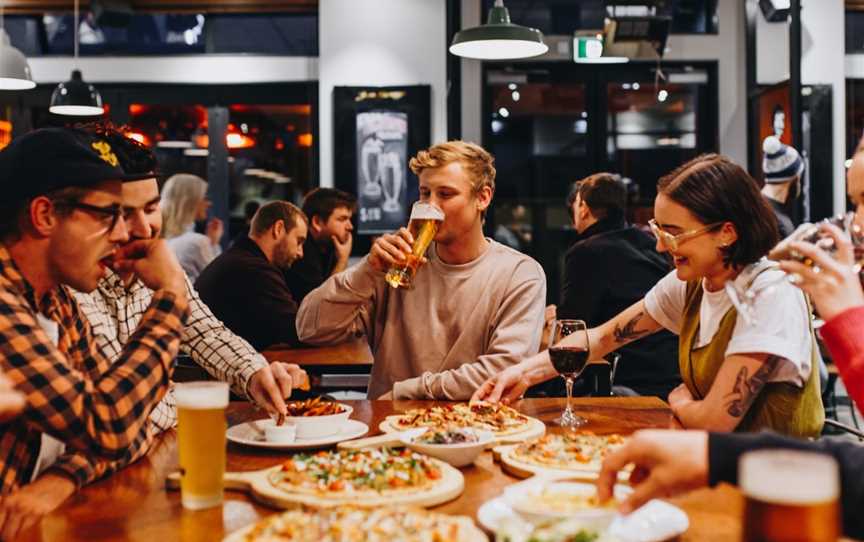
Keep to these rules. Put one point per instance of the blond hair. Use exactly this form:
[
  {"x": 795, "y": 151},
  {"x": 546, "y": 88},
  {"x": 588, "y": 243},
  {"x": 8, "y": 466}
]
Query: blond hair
[
  {"x": 475, "y": 160},
  {"x": 180, "y": 198}
]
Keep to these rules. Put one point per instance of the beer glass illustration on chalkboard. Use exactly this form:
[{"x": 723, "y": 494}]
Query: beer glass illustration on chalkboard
[
  {"x": 392, "y": 179},
  {"x": 370, "y": 158}
]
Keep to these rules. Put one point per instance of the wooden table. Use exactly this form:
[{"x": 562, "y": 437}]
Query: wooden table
[
  {"x": 133, "y": 504},
  {"x": 353, "y": 354}
]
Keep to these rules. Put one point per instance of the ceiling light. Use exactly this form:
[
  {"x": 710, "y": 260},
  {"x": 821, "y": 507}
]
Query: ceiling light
[
  {"x": 76, "y": 97},
  {"x": 498, "y": 39}
]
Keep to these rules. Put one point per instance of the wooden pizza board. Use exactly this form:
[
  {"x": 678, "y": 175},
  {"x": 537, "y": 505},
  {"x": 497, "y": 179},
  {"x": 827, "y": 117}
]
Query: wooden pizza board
[
  {"x": 472, "y": 532},
  {"x": 522, "y": 469},
  {"x": 534, "y": 429},
  {"x": 257, "y": 484}
]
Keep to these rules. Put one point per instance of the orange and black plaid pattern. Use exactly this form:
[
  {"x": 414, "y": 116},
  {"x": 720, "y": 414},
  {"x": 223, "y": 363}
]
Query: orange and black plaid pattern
[{"x": 74, "y": 393}]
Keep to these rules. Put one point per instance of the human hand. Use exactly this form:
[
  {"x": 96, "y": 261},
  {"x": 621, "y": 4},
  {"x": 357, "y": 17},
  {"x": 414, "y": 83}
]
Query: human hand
[
  {"x": 12, "y": 401},
  {"x": 387, "y": 396},
  {"x": 680, "y": 395},
  {"x": 506, "y": 387},
  {"x": 391, "y": 249},
  {"x": 25, "y": 507},
  {"x": 154, "y": 263},
  {"x": 271, "y": 385},
  {"x": 343, "y": 250},
  {"x": 832, "y": 283},
  {"x": 666, "y": 463},
  {"x": 548, "y": 320},
  {"x": 214, "y": 230}
]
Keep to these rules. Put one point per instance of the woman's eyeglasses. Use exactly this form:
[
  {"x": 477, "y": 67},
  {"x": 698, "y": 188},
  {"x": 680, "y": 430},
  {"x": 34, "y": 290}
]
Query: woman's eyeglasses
[{"x": 672, "y": 242}]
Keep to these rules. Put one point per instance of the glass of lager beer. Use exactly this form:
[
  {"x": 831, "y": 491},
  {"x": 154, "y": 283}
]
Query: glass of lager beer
[
  {"x": 201, "y": 430},
  {"x": 423, "y": 225},
  {"x": 790, "y": 496}
]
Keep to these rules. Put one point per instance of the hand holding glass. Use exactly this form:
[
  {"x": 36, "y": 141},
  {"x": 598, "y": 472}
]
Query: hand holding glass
[{"x": 425, "y": 221}]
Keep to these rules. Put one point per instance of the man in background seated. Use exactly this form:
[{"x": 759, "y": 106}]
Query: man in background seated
[
  {"x": 611, "y": 266},
  {"x": 61, "y": 225},
  {"x": 245, "y": 285},
  {"x": 328, "y": 244},
  {"x": 783, "y": 168},
  {"x": 116, "y": 306},
  {"x": 476, "y": 306}
]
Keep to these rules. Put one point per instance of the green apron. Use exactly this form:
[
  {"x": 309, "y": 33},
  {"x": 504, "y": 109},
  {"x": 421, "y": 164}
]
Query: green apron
[{"x": 780, "y": 406}]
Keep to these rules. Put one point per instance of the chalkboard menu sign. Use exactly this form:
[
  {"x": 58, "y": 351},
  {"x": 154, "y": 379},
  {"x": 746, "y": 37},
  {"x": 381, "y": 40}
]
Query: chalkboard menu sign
[{"x": 377, "y": 131}]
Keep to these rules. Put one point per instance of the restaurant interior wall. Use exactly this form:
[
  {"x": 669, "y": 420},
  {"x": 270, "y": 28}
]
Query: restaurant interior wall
[{"x": 380, "y": 43}]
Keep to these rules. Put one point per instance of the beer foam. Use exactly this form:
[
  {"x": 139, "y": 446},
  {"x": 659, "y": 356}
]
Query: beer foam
[
  {"x": 789, "y": 477},
  {"x": 426, "y": 211},
  {"x": 201, "y": 395}
]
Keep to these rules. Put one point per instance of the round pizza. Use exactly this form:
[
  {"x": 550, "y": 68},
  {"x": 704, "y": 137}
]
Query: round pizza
[
  {"x": 498, "y": 419},
  {"x": 352, "y": 524},
  {"x": 355, "y": 473},
  {"x": 583, "y": 451}
]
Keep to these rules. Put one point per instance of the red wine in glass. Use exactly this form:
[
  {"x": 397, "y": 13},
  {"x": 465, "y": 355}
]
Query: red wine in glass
[
  {"x": 569, "y": 360},
  {"x": 569, "y": 354}
]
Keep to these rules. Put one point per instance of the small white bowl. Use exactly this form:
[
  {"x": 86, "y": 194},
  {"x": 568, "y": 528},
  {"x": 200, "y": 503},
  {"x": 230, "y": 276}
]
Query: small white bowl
[
  {"x": 279, "y": 434},
  {"x": 528, "y": 500},
  {"x": 315, "y": 427},
  {"x": 458, "y": 455}
]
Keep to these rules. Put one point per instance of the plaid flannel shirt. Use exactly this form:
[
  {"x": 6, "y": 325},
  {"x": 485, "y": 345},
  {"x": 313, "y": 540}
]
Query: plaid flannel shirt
[
  {"x": 114, "y": 312},
  {"x": 98, "y": 410}
]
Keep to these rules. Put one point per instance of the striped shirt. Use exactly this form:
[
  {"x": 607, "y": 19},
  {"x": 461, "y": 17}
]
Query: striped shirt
[
  {"x": 114, "y": 312},
  {"x": 99, "y": 410}
]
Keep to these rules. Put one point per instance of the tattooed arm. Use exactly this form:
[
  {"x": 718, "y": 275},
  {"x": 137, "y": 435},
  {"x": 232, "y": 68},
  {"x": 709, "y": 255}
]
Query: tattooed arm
[{"x": 738, "y": 383}]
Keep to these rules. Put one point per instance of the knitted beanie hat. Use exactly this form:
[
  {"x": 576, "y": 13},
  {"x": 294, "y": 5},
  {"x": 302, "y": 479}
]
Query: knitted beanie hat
[{"x": 781, "y": 163}]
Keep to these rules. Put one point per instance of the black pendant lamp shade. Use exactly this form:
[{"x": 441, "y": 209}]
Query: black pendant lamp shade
[
  {"x": 76, "y": 97},
  {"x": 498, "y": 39}
]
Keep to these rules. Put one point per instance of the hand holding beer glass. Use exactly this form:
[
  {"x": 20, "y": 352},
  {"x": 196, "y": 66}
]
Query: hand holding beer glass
[
  {"x": 425, "y": 221},
  {"x": 201, "y": 427}
]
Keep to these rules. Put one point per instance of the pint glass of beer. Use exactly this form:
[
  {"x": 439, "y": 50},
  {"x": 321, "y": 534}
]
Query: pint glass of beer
[
  {"x": 201, "y": 430},
  {"x": 790, "y": 496},
  {"x": 423, "y": 225}
]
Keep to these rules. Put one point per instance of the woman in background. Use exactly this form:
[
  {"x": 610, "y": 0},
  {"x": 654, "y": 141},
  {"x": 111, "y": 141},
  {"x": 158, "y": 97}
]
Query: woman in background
[{"x": 184, "y": 201}]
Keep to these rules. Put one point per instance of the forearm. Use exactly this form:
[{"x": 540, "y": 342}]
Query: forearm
[
  {"x": 630, "y": 325},
  {"x": 83, "y": 468},
  {"x": 694, "y": 414},
  {"x": 842, "y": 335}
]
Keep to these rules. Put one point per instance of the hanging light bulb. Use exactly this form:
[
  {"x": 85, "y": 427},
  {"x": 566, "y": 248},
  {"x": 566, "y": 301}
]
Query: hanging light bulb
[
  {"x": 14, "y": 70},
  {"x": 76, "y": 97},
  {"x": 498, "y": 39}
]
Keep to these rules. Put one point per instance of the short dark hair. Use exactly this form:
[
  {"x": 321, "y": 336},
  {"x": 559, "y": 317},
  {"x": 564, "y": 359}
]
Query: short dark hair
[
  {"x": 716, "y": 189},
  {"x": 604, "y": 193},
  {"x": 271, "y": 213},
  {"x": 321, "y": 202}
]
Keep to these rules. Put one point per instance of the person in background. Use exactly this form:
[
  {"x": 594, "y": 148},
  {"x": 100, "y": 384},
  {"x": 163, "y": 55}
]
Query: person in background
[
  {"x": 611, "y": 266},
  {"x": 118, "y": 303},
  {"x": 738, "y": 375},
  {"x": 184, "y": 201},
  {"x": 245, "y": 286},
  {"x": 62, "y": 225},
  {"x": 475, "y": 308},
  {"x": 783, "y": 168},
  {"x": 328, "y": 244},
  {"x": 249, "y": 209}
]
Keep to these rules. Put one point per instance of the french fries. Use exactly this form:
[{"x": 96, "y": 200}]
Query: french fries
[{"x": 313, "y": 407}]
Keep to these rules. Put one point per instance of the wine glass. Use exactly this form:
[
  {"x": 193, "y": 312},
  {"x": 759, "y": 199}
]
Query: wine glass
[
  {"x": 569, "y": 361},
  {"x": 745, "y": 291}
]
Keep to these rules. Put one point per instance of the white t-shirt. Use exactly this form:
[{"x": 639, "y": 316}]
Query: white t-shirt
[{"x": 781, "y": 321}]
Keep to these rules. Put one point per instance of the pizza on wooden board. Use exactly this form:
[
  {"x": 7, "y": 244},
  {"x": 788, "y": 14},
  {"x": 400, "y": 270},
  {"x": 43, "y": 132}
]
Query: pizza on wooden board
[
  {"x": 497, "y": 418},
  {"x": 568, "y": 451},
  {"x": 367, "y": 471},
  {"x": 353, "y": 524}
]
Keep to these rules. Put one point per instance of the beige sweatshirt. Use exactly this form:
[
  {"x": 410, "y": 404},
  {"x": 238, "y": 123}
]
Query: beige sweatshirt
[{"x": 458, "y": 326}]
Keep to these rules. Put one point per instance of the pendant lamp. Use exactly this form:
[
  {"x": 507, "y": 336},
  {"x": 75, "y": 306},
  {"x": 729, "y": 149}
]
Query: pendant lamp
[
  {"x": 498, "y": 39},
  {"x": 14, "y": 70},
  {"x": 76, "y": 97}
]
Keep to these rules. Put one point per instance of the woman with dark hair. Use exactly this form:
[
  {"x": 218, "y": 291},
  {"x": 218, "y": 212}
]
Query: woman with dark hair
[{"x": 711, "y": 218}]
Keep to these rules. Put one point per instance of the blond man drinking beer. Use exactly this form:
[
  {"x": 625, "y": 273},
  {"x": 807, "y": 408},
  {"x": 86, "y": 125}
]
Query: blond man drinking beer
[{"x": 474, "y": 307}]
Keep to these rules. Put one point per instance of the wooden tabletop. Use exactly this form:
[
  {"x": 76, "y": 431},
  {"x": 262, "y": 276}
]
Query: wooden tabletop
[
  {"x": 133, "y": 504},
  {"x": 352, "y": 353}
]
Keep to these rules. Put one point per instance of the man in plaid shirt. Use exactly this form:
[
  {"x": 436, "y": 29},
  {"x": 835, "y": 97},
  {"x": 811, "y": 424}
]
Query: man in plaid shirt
[
  {"x": 117, "y": 305},
  {"x": 61, "y": 226}
]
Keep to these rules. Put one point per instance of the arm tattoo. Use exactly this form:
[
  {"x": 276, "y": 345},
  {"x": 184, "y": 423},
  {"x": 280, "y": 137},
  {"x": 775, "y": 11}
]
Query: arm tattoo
[
  {"x": 745, "y": 390},
  {"x": 628, "y": 332}
]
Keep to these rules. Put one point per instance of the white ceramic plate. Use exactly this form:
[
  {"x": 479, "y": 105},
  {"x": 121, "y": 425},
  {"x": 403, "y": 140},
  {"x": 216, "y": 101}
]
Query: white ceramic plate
[
  {"x": 656, "y": 521},
  {"x": 243, "y": 433}
]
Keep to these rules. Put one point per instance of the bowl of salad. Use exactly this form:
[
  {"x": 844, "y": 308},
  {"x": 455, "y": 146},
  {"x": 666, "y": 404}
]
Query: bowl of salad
[{"x": 457, "y": 446}]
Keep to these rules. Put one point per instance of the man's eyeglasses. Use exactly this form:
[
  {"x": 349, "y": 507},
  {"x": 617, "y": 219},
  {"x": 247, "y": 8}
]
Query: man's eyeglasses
[
  {"x": 672, "y": 242},
  {"x": 108, "y": 215}
]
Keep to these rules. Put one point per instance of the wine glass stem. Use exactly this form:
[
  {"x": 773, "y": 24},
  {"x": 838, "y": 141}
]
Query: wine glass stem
[{"x": 568, "y": 385}]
